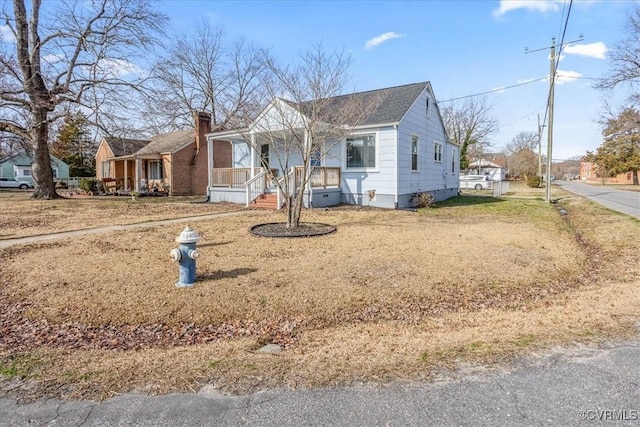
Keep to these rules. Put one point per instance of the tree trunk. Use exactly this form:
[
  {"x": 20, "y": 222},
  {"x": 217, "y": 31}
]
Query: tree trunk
[
  {"x": 43, "y": 185},
  {"x": 635, "y": 177},
  {"x": 294, "y": 208}
]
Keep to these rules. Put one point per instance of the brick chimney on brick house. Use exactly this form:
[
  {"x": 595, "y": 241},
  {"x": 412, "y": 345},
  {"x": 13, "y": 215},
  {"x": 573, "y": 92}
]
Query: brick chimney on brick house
[{"x": 202, "y": 123}]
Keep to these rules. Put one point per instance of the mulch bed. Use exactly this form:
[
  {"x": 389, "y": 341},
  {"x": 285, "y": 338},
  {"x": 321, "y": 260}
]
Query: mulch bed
[{"x": 280, "y": 229}]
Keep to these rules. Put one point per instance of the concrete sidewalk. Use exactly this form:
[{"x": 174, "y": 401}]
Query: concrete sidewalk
[
  {"x": 65, "y": 234},
  {"x": 579, "y": 385}
]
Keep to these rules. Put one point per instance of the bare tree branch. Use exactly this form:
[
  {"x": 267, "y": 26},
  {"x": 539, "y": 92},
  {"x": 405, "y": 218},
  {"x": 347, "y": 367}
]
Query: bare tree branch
[{"x": 72, "y": 52}]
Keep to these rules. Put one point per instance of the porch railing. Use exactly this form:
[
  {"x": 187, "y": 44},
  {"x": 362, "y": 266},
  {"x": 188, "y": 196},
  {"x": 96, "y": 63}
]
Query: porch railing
[
  {"x": 231, "y": 177},
  {"x": 321, "y": 177},
  {"x": 256, "y": 186}
]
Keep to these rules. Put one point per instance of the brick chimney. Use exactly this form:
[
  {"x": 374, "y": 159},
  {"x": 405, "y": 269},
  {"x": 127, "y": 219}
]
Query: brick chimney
[{"x": 202, "y": 123}]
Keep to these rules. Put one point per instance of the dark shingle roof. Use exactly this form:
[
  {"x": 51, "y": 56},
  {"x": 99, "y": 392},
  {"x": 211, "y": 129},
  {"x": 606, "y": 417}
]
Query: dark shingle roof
[
  {"x": 389, "y": 104},
  {"x": 125, "y": 147},
  {"x": 168, "y": 142}
]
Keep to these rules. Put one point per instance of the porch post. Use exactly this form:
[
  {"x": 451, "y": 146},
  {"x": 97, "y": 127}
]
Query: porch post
[
  {"x": 210, "y": 162},
  {"x": 126, "y": 176},
  {"x": 138, "y": 169},
  {"x": 253, "y": 154}
]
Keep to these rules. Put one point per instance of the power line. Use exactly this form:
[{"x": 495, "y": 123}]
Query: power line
[
  {"x": 522, "y": 118},
  {"x": 495, "y": 90}
]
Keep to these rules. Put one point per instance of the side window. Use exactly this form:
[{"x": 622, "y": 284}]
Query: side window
[
  {"x": 454, "y": 154},
  {"x": 437, "y": 152},
  {"x": 414, "y": 152}
]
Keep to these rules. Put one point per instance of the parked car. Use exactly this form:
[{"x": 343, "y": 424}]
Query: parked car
[
  {"x": 477, "y": 182},
  {"x": 14, "y": 183}
]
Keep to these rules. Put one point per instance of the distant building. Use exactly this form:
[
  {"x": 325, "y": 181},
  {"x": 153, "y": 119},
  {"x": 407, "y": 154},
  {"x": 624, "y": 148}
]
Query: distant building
[{"x": 19, "y": 166}]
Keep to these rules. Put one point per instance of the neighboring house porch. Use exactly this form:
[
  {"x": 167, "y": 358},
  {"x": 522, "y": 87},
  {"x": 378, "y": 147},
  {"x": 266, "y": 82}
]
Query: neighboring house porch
[{"x": 173, "y": 163}]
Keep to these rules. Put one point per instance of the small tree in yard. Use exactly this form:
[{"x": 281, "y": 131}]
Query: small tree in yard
[
  {"x": 521, "y": 156},
  {"x": 69, "y": 53},
  {"x": 74, "y": 147},
  {"x": 313, "y": 119}
]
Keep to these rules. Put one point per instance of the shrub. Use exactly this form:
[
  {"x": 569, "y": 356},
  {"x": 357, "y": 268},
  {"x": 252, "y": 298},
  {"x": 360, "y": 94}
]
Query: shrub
[
  {"x": 422, "y": 200},
  {"x": 534, "y": 181},
  {"x": 88, "y": 184}
]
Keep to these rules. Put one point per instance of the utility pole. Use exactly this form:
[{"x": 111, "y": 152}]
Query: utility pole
[{"x": 552, "y": 80}]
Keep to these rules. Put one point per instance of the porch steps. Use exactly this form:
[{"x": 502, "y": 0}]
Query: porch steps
[{"x": 266, "y": 201}]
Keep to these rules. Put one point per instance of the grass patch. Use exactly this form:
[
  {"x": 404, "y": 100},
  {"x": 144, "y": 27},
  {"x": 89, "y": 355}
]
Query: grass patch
[{"x": 19, "y": 366}]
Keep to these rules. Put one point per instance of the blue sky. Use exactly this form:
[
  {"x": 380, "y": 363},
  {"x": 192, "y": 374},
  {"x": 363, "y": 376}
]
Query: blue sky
[{"x": 462, "y": 47}]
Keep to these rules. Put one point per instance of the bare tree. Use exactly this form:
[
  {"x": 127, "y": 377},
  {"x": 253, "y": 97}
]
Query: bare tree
[
  {"x": 313, "y": 119},
  {"x": 203, "y": 72},
  {"x": 521, "y": 154},
  {"x": 469, "y": 124},
  {"x": 70, "y": 53},
  {"x": 623, "y": 56}
]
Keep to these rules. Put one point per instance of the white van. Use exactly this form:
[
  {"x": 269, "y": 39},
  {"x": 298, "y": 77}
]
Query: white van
[{"x": 477, "y": 182}]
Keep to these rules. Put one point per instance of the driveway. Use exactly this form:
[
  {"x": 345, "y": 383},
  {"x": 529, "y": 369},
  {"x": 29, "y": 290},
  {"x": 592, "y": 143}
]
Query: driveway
[
  {"x": 571, "y": 386},
  {"x": 627, "y": 202}
]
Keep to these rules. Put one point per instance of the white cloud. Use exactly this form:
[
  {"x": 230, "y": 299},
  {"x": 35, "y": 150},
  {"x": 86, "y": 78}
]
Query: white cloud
[
  {"x": 52, "y": 59},
  {"x": 531, "y": 5},
  {"x": 6, "y": 35},
  {"x": 566, "y": 76},
  {"x": 119, "y": 67},
  {"x": 596, "y": 50},
  {"x": 381, "y": 39}
]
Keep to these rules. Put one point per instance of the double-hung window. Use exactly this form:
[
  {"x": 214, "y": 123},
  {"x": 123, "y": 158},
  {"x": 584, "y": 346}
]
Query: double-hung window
[
  {"x": 155, "y": 169},
  {"x": 454, "y": 154},
  {"x": 361, "y": 152},
  {"x": 414, "y": 153},
  {"x": 437, "y": 156}
]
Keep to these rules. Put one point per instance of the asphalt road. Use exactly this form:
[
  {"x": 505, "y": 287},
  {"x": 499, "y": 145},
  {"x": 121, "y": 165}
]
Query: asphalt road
[
  {"x": 627, "y": 202},
  {"x": 579, "y": 385}
]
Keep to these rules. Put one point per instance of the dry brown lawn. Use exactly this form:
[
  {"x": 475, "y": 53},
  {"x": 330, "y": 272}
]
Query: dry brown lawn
[
  {"x": 392, "y": 295},
  {"x": 22, "y": 217}
]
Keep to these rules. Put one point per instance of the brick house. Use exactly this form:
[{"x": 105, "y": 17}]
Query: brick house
[{"x": 172, "y": 163}]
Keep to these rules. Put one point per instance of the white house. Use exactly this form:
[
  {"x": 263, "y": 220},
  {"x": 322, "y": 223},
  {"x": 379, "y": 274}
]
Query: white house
[
  {"x": 398, "y": 150},
  {"x": 494, "y": 171}
]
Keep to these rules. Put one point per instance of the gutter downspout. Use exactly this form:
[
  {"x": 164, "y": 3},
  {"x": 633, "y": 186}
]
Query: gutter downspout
[
  {"x": 209, "y": 165},
  {"x": 395, "y": 127},
  {"x": 307, "y": 142}
]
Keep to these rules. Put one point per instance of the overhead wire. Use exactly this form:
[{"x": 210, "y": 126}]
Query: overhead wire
[{"x": 500, "y": 89}]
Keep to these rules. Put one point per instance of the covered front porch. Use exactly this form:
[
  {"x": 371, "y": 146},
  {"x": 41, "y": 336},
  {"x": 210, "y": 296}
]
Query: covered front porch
[
  {"x": 245, "y": 185},
  {"x": 266, "y": 160},
  {"x": 127, "y": 174}
]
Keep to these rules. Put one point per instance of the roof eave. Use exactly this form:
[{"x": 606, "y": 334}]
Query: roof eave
[{"x": 376, "y": 125}]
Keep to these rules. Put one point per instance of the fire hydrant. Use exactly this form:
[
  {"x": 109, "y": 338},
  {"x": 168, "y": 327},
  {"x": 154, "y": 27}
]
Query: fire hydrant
[{"x": 186, "y": 255}]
